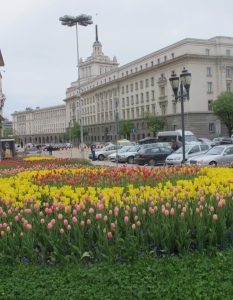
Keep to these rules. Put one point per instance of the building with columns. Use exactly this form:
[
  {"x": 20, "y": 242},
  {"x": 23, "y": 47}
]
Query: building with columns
[
  {"x": 143, "y": 86},
  {"x": 2, "y": 96}
]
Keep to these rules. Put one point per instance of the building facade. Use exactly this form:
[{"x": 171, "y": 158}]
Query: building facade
[
  {"x": 2, "y": 96},
  {"x": 143, "y": 86}
]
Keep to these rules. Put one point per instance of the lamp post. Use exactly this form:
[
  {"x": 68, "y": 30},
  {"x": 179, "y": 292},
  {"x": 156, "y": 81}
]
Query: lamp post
[
  {"x": 71, "y": 21},
  {"x": 181, "y": 95}
]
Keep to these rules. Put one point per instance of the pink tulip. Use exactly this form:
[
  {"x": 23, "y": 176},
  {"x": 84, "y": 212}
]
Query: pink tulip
[
  {"x": 184, "y": 209},
  {"x": 41, "y": 214},
  {"x": 144, "y": 212},
  {"x": 69, "y": 227},
  {"x": 197, "y": 210},
  {"x": 84, "y": 214},
  {"x": 4, "y": 225},
  {"x": 133, "y": 226},
  {"x": 16, "y": 218},
  {"x": 29, "y": 226},
  {"x": 8, "y": 229},
  {"x": 135, "y": 218},
  {"x": 74, "y": 220},
  {"x": 42, "y": 221},
  {"x": 109, "y": 234},
  {"x": 62, "y": 231},
  {"x": 126, "y": 219},
  {"x": 151, "y": 210},
  {"x": 2, "y": 233},
  {"x": 65, "y": 222},
  {"x": 212, "y": 209},
  {"x": 60, "y": 216},
  {"x": 101, "y": 206},
  {"x": 9, "y": 212},
  {"x": 138, "y": 223},
  {"x": 215, "y": 217},
  {"x": 4, "y": 215},
  {"x": 116, "y": 214},
  {"x": 116, "y": 209},
  {"x": 202, "y": 199},
  {"x": 110, "y": 212},
  {"x": 88, "y": 221},
  {"x": 21, "y": 233},
  {"x": 134, "y": 209},
  {"x": 172, "y": 212},
  {"x": 182, "y": 215},
  {"x": 113, "y": 226},
  {"x": 126, "y": 212},
  {"x": 50, "y": 226},
  {"x": 74, "y": 212},
  {"x": 36, "y": 206},
  {"x": 100, "y": 195},
  {"x": 155, "y": 208},
  {"x": 82, "y": 223},
  {"x": 91, "y": 210},
  {"x": 105, "y": 218},
  {"x": 166, "y": 212},
  {"x": 78, "y": 207},
  {"x": 0, "y": 225}
]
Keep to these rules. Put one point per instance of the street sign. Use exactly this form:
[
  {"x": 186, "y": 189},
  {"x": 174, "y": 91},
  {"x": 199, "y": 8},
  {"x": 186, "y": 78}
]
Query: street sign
[{"x": 133, "y": 130}]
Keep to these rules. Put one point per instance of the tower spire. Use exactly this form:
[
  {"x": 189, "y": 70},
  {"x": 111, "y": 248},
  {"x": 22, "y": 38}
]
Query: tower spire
[{"x": 96, "y": 33}]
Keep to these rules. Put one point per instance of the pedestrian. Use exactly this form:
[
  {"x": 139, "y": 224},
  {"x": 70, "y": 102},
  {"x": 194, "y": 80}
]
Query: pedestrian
[
  {"x": 93, "y": 151},
  {"x": 50, "y": 149},
  {"x": 174, "y": 145}
]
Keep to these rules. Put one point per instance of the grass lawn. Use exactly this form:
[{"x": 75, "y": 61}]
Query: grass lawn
[{"x": 192, "y": 276}]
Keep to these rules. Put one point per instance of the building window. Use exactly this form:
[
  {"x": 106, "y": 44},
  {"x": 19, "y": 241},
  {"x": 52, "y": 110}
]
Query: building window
[
  {"x": 173, "y": 55},
  {"x": 122, "y": 90},
  {"x": 137, "y": 98},
  {"x": 131, "y": 87},
  {"x": 165, "y": 58},
  {"x": 131, "y": 71},
  {"x": 228, "y": 72},
  {"x": 158, "y": 60},
  {"x": 123, "y": 101},
  {"x": 136, "y": 69},
  {"x": 147, "y": 82},
  {"x": 162, "y": 91},
  {"x": 208, "y": 71},
  {"x": 152, "y": 94},
  {"x": 132, "y": 113},
  {"x": 228, "y": 52},
  {"x": 147, "y": 96},
  {"x": 146, "y": 65},
  {"x": 152, "y": 63},
  {"x": 141, "y": 68},
  {"x": 127, "y": 101},
  {"x": 122, "y": 75},
  {"x": 174, "y": 108},
  {"x": 132, "y": 100},
  {"x": 207, "y": 52},
  {"x": 127, "y": 88},
  {"x": 228, "y": 86},
  {"x": 209, "y": 87},
  {"x": 152, "y": 81},
  {"x": 210, "y": 102},
  {"x": 142, "y": 97},
  {"x": 126, "y": 73},
  {"x": 163, "y": 108},
  {"x": 141, "y": 84},
  {"x": 211, "y": 127},
  {"x": 174, "y": 127},
  {"x": 136, "y": 86}
]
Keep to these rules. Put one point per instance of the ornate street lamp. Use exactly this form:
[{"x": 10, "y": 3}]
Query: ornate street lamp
[
  {"x": 181, "y": 92},
  {"x": 71, "y": 21}
]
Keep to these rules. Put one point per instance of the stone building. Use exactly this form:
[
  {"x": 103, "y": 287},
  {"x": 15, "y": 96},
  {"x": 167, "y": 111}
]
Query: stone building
[
  {"x": 2, "y": 96},
  {"x": 143, "y": 86}
]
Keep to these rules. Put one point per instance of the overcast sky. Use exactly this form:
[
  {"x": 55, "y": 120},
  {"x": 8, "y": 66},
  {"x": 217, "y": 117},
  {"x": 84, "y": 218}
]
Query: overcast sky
[{"x": 40, "y": 54}]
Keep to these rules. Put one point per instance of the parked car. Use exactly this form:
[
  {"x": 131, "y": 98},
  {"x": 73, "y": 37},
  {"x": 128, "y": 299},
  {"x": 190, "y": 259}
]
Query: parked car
[
  {"x": 112, "y": 157},
  {"x": 124, "y": 142},
  {"x": 129, "y": 155},
  {"x": 217, "y": 155},
  {"x": 164, "y": 144},
  {"x": 147, "y": 140},
  {"x": 222, "y": 141},
  {"x": 176, "y": 158},
  {"x": 32, "y": 151},
  {"x": 207, "y": 141},
  {"x": 103, "y": 153},
  {"x": 152, "y": 156},
  {"x": 68, "y": 145}
]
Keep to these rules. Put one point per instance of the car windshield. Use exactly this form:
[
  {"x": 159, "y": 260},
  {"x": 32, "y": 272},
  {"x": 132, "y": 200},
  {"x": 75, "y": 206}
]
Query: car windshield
[
  {"x": 134, "y": 149},
  {"x": 215, "y": 151},
  {"x": 123, "y": 150},
  {"x": 190, "y": 138},
  {"x": 180, "y": 150}
]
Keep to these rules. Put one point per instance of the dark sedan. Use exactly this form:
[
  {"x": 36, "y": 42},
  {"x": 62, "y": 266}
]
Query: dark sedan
[{"x": 152, "y": 156}]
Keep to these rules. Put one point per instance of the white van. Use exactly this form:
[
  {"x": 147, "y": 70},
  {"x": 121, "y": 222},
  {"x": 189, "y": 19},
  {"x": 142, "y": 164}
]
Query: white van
[{"x": 167, "y": 136}]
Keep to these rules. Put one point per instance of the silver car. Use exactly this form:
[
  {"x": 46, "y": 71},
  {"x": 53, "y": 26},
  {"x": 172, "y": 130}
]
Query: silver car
[
  {"x": 104, "y": 152},
  {"x": 176, "y": 157},
  {"x": 215, "y": 156},
  {"x": 128, "y": 157},
  {"x": 112, "y": 157}
]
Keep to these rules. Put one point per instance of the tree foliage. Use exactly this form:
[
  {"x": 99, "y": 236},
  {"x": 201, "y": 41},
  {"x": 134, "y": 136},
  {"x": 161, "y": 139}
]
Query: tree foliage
[
  {"x": 126, "y": 127},
  {"x": 223, "y": 109},
  {"x": 155, "y": 123},
  {"x": 74, "y": 132}
]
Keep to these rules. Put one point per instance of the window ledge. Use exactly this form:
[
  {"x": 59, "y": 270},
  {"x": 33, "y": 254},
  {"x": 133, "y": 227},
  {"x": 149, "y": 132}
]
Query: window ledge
[{"x": 210, "y": 92}]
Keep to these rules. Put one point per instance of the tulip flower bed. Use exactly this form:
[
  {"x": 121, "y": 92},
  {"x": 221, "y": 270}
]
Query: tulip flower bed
[{"x": 70, "y": 213}]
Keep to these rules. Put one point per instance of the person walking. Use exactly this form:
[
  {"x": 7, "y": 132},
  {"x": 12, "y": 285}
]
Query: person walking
[
  {"x": 50, "y": 149},
  {"x": 174, "y": 145},
  {"x": 93, "y": 151}
]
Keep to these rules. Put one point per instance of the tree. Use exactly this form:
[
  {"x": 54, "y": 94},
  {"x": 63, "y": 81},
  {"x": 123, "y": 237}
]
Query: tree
[
  {"x": 155, "y": 123},
  {"x": 10, "y": 133},
  {"x": 74, "y": 132},
  {"x": 223, "y": 109},
  {"x": 126, "y": 127}
]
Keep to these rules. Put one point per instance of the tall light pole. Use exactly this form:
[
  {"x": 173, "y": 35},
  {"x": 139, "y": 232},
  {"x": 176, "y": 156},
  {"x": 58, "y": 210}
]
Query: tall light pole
[
  {"x": 180, "y": 96},
  {"x": 71, "y": 21}
]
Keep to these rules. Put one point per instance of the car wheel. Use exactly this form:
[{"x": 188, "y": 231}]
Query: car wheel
[
  {"x": 213, "y": 163},
  {"x": 101, "y": 157},
  {"x": 152, "y": 162},
  {"x": 130, "y": 160}
]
